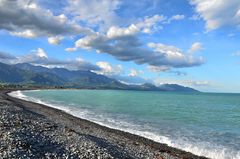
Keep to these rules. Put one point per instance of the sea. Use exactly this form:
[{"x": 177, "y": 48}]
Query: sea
[{"x": 206, "y": 124}]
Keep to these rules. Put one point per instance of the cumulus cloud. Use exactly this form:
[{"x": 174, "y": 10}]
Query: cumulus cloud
[
  {"x": 104, "y": 14},
  {"x": 116, "y": 32},
  {"x": 108, "y": 69},
  {"x": 29, "y": 20},
  {"x": 94, "y": 12},
  {"x": 147, "y": 25},
  {"x": 171, "y": 56},
  {"x": 135, "y": 73},
  {"x": 197, "y": 46},
  {"x": 25, "y": 34},
  {"x": 150, "y": 24},
  {"x": 218, "y": 13},
  {"x": 125, "y": 45},
  {"x": 41, "y": 53},
  {"x": 55, "y": 40},
  {"x": 177, "y": 17},
  {"x": 38, "y": 56},
  {"x": 70, "y": 49},
  {"x": 117, "y": 72}
]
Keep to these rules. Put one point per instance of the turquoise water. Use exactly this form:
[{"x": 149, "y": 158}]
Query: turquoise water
[{"x": 202, "y": 123}]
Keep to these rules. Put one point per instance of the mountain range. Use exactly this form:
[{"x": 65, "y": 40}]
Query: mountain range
[{"x": 27, "y": 74}]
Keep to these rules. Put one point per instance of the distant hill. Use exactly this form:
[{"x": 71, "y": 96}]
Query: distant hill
[
  {"x": 71, "y": 78},
  {"x": 12, "y": 74},
  {"x": 37, "y": 75},
  {"x": 176, "y": 87}
]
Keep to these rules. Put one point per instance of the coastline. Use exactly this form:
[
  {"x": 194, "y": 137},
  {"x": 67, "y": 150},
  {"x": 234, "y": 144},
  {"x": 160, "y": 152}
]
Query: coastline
[{"x": 118, "y": 144}]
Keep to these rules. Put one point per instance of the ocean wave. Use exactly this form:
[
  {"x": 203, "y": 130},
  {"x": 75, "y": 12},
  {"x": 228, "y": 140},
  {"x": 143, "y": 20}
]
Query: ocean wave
[
  {"x": 17, "y": 94},
  {"x": 206, "y": 149}
]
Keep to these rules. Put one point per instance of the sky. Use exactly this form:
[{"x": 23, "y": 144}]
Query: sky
[{"x": 194, "y": 43}]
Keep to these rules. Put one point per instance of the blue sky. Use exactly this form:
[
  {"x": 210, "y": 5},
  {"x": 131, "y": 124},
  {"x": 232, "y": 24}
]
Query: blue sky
[{"x": 192, "y": 42}]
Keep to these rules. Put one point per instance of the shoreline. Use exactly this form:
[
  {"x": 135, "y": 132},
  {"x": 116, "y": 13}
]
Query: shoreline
[{"x": 123, "y": 142}]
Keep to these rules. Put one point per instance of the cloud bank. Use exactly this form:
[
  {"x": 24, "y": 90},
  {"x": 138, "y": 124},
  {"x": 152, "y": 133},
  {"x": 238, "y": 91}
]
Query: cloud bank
[
  {"x": 218, "y": 13},
  {"x": 27, "y": 19},
  {"x": 99, "y": 28},
  {"x": 124, "y": 44}
]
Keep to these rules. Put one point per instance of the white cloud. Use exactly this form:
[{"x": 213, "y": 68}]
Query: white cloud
[
  {"x": 197, "y": 46},
  {"x": 103, "y": 14},
  {"x": 218, "y": 13},
  {"x": 117, "y": 72},
  {"x": 150, "y": 24},
  {"x": 133, "y": 73},
  {"x": 25, "y": 34},
  {"x": 123, "y": 43},
  {"x": 62, "y": 18},
  {"x": 29, "y": 20},
  {"x": 177, "y": 17},
  {"x": 70, "y": 49},
  {"x": 115, "y": 32},
  {"x": 147, "y": 25},
  {"x": 171, "y": 56},
  {"x": 168, "y": 50},
  {"x": 108, "y": 69},
  {"x": 127, "y": 47},
  {"x": 41, "y": 53},
  {"x": 55, "y": 40},
  {"x": 94, "y": 12}
]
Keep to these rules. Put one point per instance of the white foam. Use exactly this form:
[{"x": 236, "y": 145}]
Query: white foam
[
  {"x": 17, "y": 94},
  {"x": 201, "y": 148}
]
